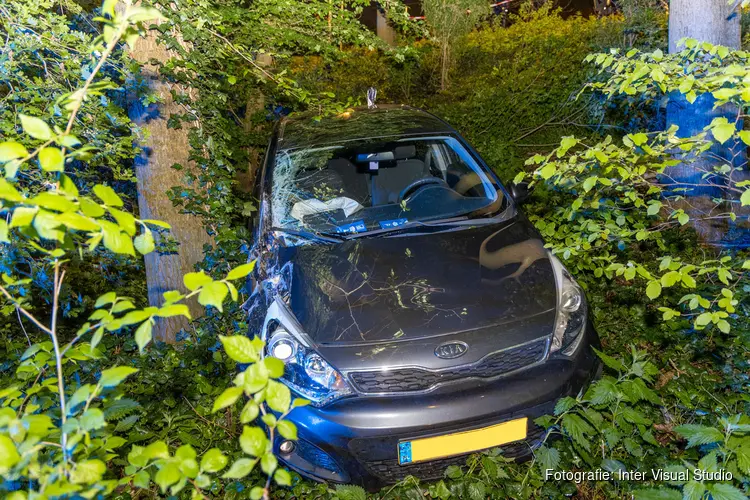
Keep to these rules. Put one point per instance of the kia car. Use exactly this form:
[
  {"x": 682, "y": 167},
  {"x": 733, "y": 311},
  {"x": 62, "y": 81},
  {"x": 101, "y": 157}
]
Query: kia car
[{"x": 412, "y": 302}]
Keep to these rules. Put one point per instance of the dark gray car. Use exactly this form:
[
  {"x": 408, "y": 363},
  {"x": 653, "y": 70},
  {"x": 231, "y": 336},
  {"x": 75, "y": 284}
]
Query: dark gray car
[{"x": 411, "y": 300}]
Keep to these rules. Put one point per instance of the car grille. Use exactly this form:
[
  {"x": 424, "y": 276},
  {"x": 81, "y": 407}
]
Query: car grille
[
  {"x": 391, "y": 471},
  {"x": 420, "y": 379}
]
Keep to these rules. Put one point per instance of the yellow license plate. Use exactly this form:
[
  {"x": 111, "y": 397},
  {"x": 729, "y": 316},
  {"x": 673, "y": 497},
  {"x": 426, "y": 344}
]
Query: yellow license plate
[{"x": 458, "y": 443}]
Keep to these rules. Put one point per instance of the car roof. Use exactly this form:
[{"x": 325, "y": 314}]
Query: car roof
[{"x": 358, "y": 123}]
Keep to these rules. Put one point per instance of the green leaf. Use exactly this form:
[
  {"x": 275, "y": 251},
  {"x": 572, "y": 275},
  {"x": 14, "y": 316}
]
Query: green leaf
[
  {"x": 350, "y": 492},
  {"x": 278, "y": 396},
  {"x": 142, "y": 480},
  {"x": 670, "y": 278},
  {"x": 213, "y": 294},
  {"x": 157, "y": 449},
  {"x": 8, "y": 192},
  {"x": 653, "y": 208},
  {"x": 11, "y": 151},
  {"x": 287, "y": 429},
  {"x": 274, "y": 366},
  {"x": 213, "y": 460},
  {"x": 8, "y": 454},
  {"x": 118, "y": 242},
  {"x": 125, "y": 221},
  {"x": 603, "y": 391},
  {"x": 282, "y": 477},
  {"x": 657, "y": 494},
  {"x": 168, "y": 475},
  {"x": 745, "y": 198},
  {"x": 193, "y": 281},
  {"x": 636, "y": 390},
  {"x": 476, "y": 491},
  {"x": 253, "y": 441},
  {"x": 577, "y": 428},
  {"x": 91, "y": 209},
  {"x": 144, "y": 242},
  {"x": 589, "y": 183},
  {"x": 143, "y": 334},
  {"x": 249, "y": 412},
  {"x": 548, "y": 171},
  {"x": 549, "y": 458},
  {"x": 564, "y": 404},
  {"x": 107, "y": 195},
  {"x": 4, "y": 235},
  {"x": 699, "y": 434},
  {"x": 240, "y": 468},
  {"x": 638, "y": 139},
  {"x": 36, "y": 128},
  {"x": 51, "y": 160},
  {"x": 105, "y": 299},
  {"x": 723, "y": 131},
  {"x": 611, "y": 362},
  {"x": 87, "y": 472},
  {"x": 240, "y": 348},
  {"x": 256, "y": 378},
  {"x": 725, "y": 491},
  {"x": 565, "y": 144},
  {"x": 703, "y": 319},
  {"x": 92, "y": 419},
  {"x": 53, "y": 201},
  {"x": 113, "y": 376},
  {"x": 693, "y": 490},
  {"x": 140, "y": 14},
  {"x": 137, "y": 457},
  {"x": 37, "y": 425},
  {"x": 268, "y": 463},
  {"x": 227, "y": 398},
  {"x": 241, "y": 271},
  {"x": 653, "y": 290}
]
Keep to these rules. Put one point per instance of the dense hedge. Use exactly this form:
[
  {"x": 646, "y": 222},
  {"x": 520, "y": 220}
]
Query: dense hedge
[{"x": 513, "y": 90}]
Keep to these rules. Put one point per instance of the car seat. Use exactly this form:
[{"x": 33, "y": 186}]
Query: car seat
[
  {"x": 353, "y": 182},
  {"x": 390, "y": 181}
]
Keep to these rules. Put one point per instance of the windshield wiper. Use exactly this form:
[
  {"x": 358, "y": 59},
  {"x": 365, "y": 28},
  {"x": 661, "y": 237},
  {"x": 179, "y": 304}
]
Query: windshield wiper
[{"x": 311, "y": 235}]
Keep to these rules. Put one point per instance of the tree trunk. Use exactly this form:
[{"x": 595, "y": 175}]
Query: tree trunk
[
  {"x": 711, "y": 21},
  {"x": 161, "y": 149},
  {"x": 715, "y": 22},
  {"x": 445, "y": 65}
]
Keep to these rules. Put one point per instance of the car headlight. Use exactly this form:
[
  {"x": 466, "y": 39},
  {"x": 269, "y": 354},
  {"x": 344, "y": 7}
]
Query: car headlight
[
  {"x": 570, "y": 321},
  {"x": 306, "y": 372}
]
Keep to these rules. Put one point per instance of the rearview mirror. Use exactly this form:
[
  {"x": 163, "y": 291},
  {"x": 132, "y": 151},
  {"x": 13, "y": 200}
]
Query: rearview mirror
[
  {"x": 375, "y": 157},
  {"x": 520, "y": 192}
]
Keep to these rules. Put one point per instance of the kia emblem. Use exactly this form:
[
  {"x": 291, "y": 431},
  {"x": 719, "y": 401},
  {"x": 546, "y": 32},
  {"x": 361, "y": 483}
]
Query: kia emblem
[{"x": 450, "y": 350}]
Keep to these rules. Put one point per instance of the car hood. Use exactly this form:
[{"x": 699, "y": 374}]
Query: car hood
[{"x": 410, "y": 287}]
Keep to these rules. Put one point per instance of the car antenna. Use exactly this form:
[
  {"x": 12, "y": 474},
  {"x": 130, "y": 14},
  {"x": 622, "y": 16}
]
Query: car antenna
[{"x": 372, "y": 94}]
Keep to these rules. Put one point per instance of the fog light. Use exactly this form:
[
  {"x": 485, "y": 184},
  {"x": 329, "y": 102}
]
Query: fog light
[
  {"x": 286, "y": 447},
  {"x": 282, "y": 346},
  {"x": 283, "y": 350}
]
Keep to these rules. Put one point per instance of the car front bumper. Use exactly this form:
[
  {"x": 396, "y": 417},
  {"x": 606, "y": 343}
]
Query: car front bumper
[{"x": 356, "y": 440}]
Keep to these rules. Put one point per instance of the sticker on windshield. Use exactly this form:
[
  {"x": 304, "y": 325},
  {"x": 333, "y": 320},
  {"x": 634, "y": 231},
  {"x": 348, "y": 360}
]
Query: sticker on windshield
[
  {"x": 387, "y": 224},
  {"x": 353, "y": 227}
]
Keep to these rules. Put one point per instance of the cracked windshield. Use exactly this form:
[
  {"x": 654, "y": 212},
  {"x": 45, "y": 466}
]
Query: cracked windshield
[{"x": 366, "y": 185}]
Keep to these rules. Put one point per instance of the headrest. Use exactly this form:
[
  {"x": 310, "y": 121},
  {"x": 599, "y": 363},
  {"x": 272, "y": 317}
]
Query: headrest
[{"x": 404, "y": 152}]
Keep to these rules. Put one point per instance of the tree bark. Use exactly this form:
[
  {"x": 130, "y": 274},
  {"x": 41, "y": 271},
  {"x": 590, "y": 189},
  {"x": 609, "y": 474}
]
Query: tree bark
[
  {"x": 162, "y": 148},
  {"x": 711, "y": 21}
]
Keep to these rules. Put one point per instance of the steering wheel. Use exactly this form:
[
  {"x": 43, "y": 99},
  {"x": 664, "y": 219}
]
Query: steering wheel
[{"x": 419, "y": 184}]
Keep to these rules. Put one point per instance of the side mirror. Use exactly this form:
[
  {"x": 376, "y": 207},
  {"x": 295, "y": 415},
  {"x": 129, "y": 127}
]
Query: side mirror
[{"x": 520, "y": 192}]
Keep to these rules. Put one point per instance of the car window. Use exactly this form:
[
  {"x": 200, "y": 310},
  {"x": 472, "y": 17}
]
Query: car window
[{"x": 363, "y": 185}]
